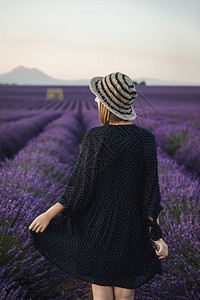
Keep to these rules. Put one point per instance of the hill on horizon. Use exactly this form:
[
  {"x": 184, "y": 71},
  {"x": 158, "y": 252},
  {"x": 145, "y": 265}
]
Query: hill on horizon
[{"x": 32, "y": 76}]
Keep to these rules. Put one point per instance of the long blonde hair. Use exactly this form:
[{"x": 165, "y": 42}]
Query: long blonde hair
[{"x": 106, "y": 116}]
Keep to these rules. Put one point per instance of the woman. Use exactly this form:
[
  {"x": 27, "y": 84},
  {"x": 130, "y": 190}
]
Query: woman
[{"x": 109, "y": 210}]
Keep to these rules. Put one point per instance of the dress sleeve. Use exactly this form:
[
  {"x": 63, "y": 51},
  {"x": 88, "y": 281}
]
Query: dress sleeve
[
  {"x": 81, "y": 185},
  {"x": 151, "y": 189}
]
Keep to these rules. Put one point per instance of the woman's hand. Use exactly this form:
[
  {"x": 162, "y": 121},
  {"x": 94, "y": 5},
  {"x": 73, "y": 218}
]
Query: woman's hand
[
  {"x": 162, "y": 248},
  {"x": 40, "y": 223}
]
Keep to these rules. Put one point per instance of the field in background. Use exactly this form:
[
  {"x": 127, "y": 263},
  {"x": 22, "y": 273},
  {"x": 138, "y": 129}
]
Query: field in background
[{"x": 40, "y": 141}]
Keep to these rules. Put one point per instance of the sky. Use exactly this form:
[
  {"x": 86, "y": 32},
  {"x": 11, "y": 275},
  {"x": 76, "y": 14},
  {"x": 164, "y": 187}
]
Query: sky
[{"x": 82, "y": 39}]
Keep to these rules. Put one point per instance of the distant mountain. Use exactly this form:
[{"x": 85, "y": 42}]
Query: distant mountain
[
  {"x": 33, "y": 76},
  {"x": 155, "y": 81}
]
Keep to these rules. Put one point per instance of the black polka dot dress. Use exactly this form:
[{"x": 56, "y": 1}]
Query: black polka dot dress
[{"x": 103, "y": 235}]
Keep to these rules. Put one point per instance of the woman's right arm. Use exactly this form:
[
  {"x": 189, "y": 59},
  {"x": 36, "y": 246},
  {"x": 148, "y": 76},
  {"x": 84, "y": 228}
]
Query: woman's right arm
[
  {"x": 151, "y": 189},
  {"x": 152, "y": 197},
  {"x": 55, "y": 210},
  {"x": 41, "y": 222}
]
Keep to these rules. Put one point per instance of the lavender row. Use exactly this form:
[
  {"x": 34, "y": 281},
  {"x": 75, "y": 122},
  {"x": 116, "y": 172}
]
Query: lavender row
[
  {"x": 15, "y": 134},
  {"x": 180, "y": 222},
  {"x": 13, "y": 115},
  {"x": 39, "y": 104},
  {"x": 185, "y": 115},
  {"x": 178, "y": 141},
  {"x": 30, "y": 184}
]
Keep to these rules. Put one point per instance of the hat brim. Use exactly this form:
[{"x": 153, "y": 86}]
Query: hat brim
[{"x": 92, "y": 85}]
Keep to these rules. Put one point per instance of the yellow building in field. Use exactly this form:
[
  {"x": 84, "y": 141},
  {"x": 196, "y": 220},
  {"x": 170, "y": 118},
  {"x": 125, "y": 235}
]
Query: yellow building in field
[{"x": 54, "y": 94}]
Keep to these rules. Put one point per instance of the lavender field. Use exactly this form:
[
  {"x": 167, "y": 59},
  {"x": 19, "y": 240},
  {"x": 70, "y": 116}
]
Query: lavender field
[{"x": 40, "y": 141}]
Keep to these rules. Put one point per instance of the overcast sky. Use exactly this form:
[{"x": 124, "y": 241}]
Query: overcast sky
[{"x": 81, "y": 39}]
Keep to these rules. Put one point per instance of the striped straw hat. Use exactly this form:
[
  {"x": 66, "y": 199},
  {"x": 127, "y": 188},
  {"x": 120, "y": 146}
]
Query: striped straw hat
[{"x": 117, "y": 92}]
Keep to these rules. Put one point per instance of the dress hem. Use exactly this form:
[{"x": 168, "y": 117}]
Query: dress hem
[{"x": 98, "y": 282}]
